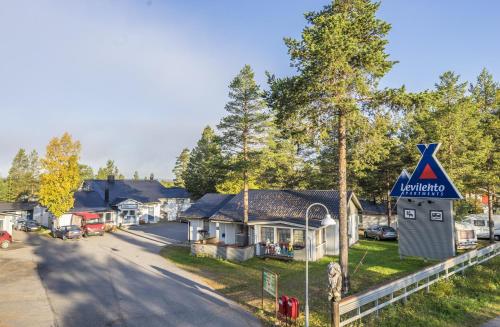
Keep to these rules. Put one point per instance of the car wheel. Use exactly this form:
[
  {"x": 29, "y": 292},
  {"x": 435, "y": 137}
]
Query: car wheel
[{"x": 5, "y": 244}]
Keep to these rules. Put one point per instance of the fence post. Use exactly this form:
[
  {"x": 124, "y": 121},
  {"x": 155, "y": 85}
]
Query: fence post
[
  {"x": 427, "y": 288},
  {"x": 335, "y": 314},
  {"x": 376, "y": 305},
  {"x": 405, "y": 299}
]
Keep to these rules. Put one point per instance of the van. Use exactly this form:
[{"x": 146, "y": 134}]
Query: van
[
  {"x": 465, "y": 236},
  {"x": 91, "y": 223},
  {"x": 480, "y": 224}
]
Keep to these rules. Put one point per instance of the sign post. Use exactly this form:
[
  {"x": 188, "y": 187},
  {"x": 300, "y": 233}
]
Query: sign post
[
  {"x": 270, "y": 285},
  {"x": 424, "y": 205}
]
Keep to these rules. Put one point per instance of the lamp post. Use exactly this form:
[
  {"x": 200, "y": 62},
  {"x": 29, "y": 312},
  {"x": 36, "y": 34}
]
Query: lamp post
[{"x": 327, "y": 221}]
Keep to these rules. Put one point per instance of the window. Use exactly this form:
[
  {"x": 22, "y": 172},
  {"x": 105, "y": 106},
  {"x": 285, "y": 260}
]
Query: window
[
  {"x": 239, "y": 229},
  {"x": 479, "y": 223},
  {"x": 299, "y": 237},
  {"x": 108, "y": 216},
  {"x": 267, "y": 234},
  {"x": 284, "y": 235}
]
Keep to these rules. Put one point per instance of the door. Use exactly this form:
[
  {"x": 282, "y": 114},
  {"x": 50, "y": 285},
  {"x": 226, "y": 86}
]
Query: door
[{"x": 222, "y": 232}]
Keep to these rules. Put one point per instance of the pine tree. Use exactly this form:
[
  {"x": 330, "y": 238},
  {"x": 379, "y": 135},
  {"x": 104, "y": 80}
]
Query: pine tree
[
  {"x": 180, "y": 168},
  {"x": 23, "y": 179},
  {"x": 205, "y": 167},
  {"x": 108, "y": 170},
  {"x": 339, "y": 59},
  {"x": 243, "y": 129},
  {"x": 86, "y": 172},
  {"x": 486, "y": 96},
  {"x": 136, "y": 176},
  {"x": 61, "y": 177}
]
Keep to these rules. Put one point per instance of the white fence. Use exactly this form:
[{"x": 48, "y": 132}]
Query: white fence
[{"x": 356, "y": 306}]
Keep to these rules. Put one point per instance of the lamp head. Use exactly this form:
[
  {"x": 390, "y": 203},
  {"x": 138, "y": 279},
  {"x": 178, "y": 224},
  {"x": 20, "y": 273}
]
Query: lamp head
[{"x": 328, "y": 221}]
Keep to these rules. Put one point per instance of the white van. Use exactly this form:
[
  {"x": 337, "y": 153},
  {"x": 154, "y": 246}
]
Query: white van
[
  {"x": 465, "y": 236},
  {"x": 480, "y": 223}
]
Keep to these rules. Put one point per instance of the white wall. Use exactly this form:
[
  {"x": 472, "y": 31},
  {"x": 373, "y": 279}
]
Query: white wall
[
  {"x": 6, "y": 224},
  {"x": 195, "y": 225}
]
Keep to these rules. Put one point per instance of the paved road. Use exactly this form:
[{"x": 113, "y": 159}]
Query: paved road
[
  {"x": 164, "y": 231},
  {"x": 120, "y": 280}
]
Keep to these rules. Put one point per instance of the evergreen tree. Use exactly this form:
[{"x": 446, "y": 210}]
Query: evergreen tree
[
  {"x": 23, "y": 179},
  {"x": 486, "y": 96},
  {"x": 339, "y": 59},
  {"x": 108, "y": 170},
  {"x": 180, "y": 168},
  {"x": 205, "y": 167},
  {"x": 86, "y": 172},
  {"x": 151, "y": 177},
  {"x": 61, "y": 177},
  {"x": 243, "y": 129},
  {"x": 136, "y": 176},
  {"x": 3, "y": 189}
]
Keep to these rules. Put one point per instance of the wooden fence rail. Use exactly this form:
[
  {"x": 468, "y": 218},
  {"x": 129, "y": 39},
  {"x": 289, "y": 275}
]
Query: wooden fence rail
[{"x": 356, "y": 306}]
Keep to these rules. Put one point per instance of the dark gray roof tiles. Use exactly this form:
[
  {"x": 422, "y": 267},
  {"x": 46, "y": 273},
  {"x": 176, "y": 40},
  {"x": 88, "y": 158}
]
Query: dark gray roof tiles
[
  {"x": 372, "y": 208},
  {"x": 206, "y": 206},
  {"x": 140, "y": 190},
  {"x": 17, "y": 206},
  {"x": 282, "y": 205},
  {"x": 89, "y": 201}
]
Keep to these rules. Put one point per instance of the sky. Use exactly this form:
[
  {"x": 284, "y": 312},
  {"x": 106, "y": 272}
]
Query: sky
[{"x": 137, "y": 81}]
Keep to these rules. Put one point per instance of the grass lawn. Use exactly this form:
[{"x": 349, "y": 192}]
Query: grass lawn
[
  {"x": 241, "y": 281},
  {"x": 459, "y": 301}
]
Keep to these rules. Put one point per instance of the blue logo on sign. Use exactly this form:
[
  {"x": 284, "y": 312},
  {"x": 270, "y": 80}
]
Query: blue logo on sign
[{"x": 429, "y": 180}]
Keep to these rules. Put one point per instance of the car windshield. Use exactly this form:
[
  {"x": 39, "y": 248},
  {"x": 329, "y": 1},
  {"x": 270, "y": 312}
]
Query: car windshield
[
  {"x": 92, "y": 221},
  {"x": 73, "y": 228},
  {"x": 388, "y": 229}
]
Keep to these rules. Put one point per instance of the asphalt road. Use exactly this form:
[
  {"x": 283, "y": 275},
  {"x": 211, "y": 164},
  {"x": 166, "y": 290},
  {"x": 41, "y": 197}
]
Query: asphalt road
[{"x": 120, "y": 280}]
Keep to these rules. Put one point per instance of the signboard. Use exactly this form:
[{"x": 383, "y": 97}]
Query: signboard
[
  {"x": 398, "y": 188},
  {"x": 270, "y": 286},
  {"x": 269, "y": 281},
  {"x": 429, "y": 180}
]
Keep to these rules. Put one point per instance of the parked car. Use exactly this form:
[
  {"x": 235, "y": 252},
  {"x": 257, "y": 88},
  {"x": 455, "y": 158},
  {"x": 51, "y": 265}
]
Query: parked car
[
  {"x": 91, "y": 223},
  {"x": 19, "y": 223},
  {"x": 30, "y": 226},
  {"x": 497, "y": 234},
  {"x": 5, "y": 239},
  {"x": 65, "y": 232},
  {"x": 381, "y": 232}
]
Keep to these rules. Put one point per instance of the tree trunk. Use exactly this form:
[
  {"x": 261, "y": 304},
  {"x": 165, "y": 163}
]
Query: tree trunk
[
  {"x": 245, "y": 188},
  {"x": 344, "y": 241},
  {"x": 389, "y": 209},
  {"x": 491, "y": 224}
]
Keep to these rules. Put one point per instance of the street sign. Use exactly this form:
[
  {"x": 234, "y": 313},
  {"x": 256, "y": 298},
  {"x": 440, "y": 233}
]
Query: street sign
[{"x": 429, "y": 179}]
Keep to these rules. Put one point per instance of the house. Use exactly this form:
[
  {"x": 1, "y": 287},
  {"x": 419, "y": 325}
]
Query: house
[
  {"x": 375, "y": 214},
  {"x": 199, "y": 212},
  {"x": 10, "y": 212},
  {"x": 128, "y": 202},
  {"x": 277, "y": 222}
]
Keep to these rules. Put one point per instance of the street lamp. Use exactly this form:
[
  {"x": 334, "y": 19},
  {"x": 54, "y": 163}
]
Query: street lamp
[{"x": 327, "y": 221}]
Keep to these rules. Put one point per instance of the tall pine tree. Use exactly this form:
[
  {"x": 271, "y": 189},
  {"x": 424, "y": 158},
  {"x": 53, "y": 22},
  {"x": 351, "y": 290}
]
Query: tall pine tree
[
  {"x": 180, "y": 168},
  {"x": 339, "y": 59},
  {"x": 243, "y": 129}
]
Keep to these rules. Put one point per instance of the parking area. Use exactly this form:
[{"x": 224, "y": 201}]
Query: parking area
[
  {"x": 113, "y": 280},
  {"x": 167, "y": 232}
]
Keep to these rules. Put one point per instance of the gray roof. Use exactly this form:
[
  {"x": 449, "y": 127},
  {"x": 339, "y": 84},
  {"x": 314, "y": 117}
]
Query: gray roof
[
  {"x": 372, "y": 208},
  {"x": 283, "y": 205},
  {"x": 89, "y": 201},
  {"x": 17, "y": 206},
  {"x": 206, "y": 206},
  {"x": 144, "y": 191}
]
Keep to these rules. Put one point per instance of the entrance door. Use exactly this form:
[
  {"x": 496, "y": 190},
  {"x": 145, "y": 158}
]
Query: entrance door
[{"x": 222, "y": 232}]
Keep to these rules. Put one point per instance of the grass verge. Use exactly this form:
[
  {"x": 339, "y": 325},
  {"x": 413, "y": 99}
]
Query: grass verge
[
  {"x": 241, "y": 281},
  {"x": 467, "y": 300}
]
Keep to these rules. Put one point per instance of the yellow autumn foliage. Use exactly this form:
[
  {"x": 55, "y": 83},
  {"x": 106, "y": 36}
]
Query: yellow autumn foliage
[{"x": 61, "y": 176}]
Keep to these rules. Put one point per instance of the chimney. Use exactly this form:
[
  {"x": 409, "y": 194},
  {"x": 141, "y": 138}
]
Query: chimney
[
  {"x": 111, "y": 178},
  {"x": 106, "y": 194}
]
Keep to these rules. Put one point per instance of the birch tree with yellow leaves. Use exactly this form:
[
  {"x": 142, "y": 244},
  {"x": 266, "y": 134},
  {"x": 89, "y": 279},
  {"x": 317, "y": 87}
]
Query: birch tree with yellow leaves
[{"x": 61, "y": 175}]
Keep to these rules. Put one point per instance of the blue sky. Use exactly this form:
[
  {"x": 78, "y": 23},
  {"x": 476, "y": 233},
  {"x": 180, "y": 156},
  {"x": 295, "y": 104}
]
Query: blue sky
[{"x": 136, "y": 81}]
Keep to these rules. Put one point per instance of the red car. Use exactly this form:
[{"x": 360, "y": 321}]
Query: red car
[
  {"x": 91, "y": 223},
  {"x": 5, "y": 239}
]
